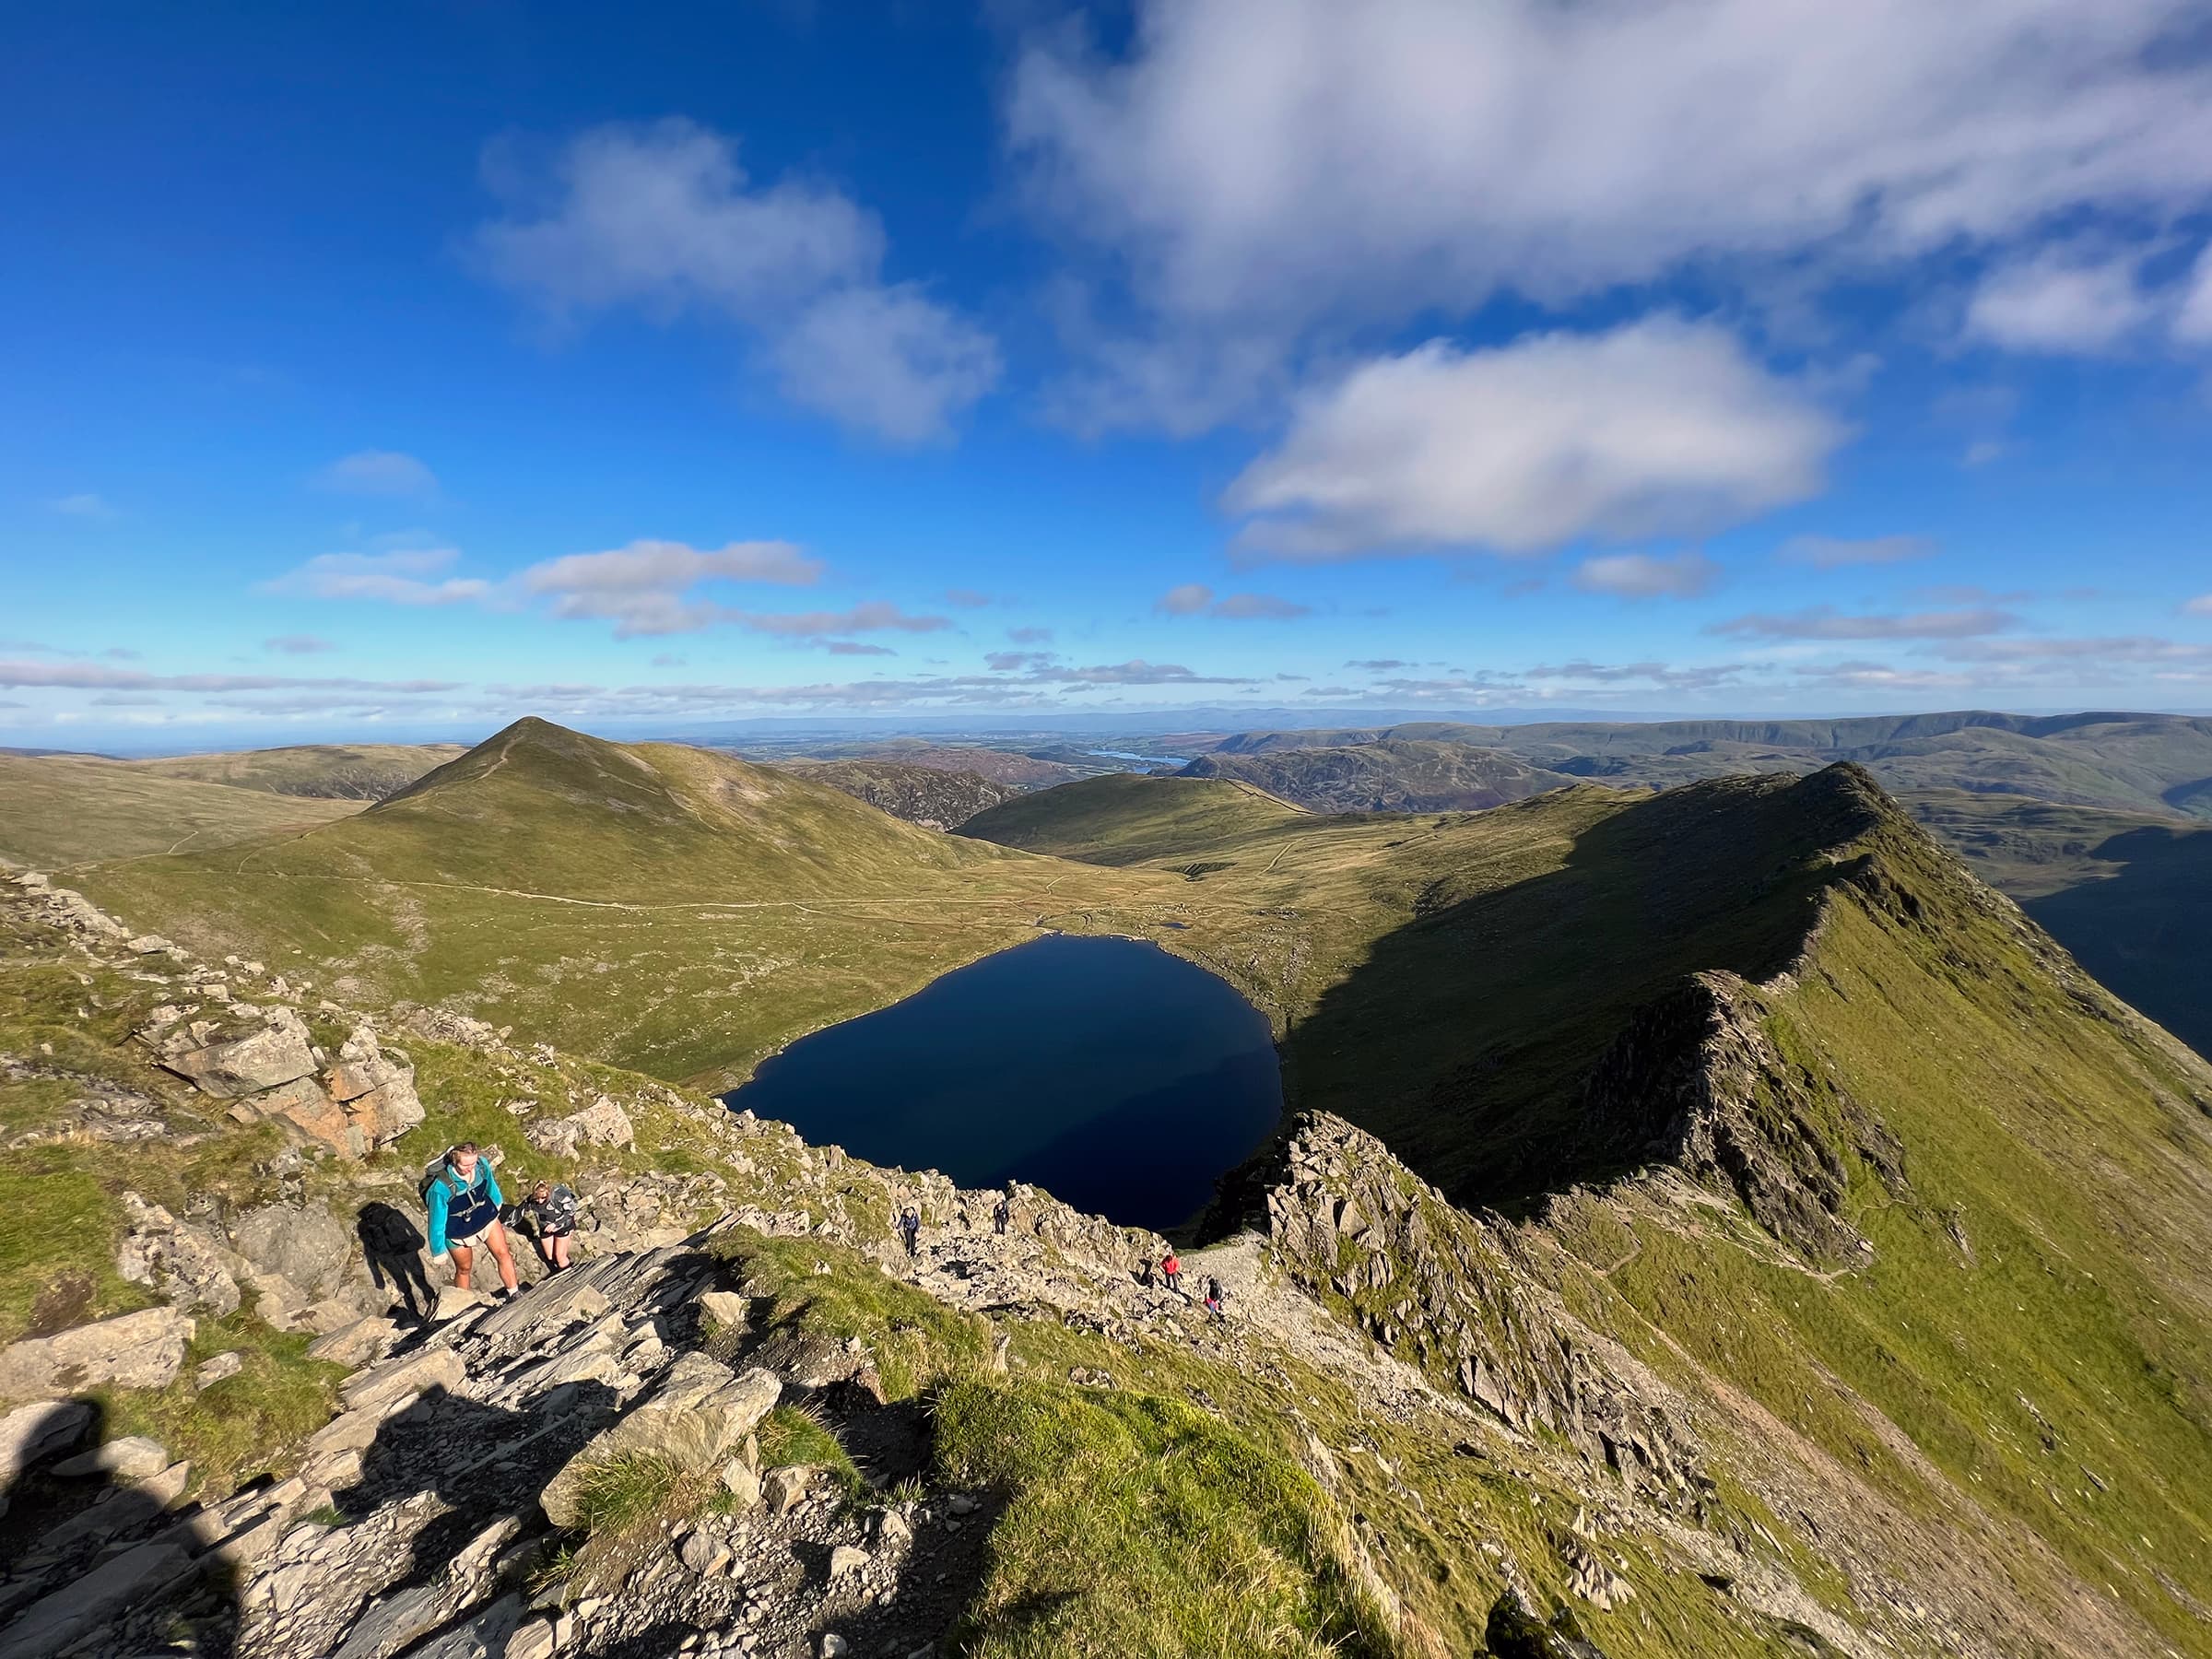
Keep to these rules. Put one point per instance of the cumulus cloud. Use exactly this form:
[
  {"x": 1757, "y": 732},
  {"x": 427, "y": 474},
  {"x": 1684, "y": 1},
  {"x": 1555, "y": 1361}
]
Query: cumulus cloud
[
  {"x": 1291, "y": 156},
  {"x": 2060, "y": 300},
  {"x": 1829, "y": 552},
  {"x": 403, "y": 576},
  {"x": 1825, "y": 622},
  {"x": 378, "y": 472},
  {"x": 642, "y": 587},
  {"x": 297, "y": 644},
  {"x": 1658, "y": 426},
  {"x": 1648, "y": 575},
  {"x": 1013, "y": 662},
  {"x": 1186, "y": 601},
  {"x": 664, "y": 217}
]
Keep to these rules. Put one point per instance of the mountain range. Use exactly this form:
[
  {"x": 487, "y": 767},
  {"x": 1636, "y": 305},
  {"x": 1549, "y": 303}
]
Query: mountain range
[{"x": 1715, "y": 1210}]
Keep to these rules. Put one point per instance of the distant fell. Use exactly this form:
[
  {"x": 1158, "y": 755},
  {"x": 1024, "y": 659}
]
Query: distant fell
[
  {"x": 933, "y": 797},
  {"x": 338, "y": 772},
  {"x": 1392, "y": 774}
]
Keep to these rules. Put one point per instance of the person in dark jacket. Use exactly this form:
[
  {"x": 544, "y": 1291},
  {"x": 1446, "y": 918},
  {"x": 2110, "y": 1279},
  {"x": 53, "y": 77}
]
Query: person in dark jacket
[
  {"x": 1001, "y": 1213},
  {"x": 551, "y": 1211},
  {"x": 463, "y": 1201},
  {"x": 909, "y": 1230}
]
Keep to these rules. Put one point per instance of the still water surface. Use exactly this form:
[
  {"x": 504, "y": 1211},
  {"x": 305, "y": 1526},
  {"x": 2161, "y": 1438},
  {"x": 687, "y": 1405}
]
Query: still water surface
[{"x": 1118, "y": 1077}]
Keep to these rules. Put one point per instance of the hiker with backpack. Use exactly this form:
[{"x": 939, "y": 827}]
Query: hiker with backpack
[
  {"x": 552, "y": 1213},
  {"x": 1001, "y": 1213},
  {"x": 463, "y": 1200},
  {"x": 909, "y": 1230}
]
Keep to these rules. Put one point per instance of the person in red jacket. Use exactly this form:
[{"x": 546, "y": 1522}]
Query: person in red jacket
[{"x": 1170, "y": 1269}]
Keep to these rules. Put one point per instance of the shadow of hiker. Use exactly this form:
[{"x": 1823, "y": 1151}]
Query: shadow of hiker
[
  {"x": 394, "y": 1245},
  {"x": 483, "y": 1464},
  {"x": 94, "y": 1553}
]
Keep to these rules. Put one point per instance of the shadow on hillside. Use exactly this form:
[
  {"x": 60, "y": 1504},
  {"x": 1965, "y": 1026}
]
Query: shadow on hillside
[
  {"x": 55, "y": 1528},
  {"x": 483, "y": 1464},
  {"x": 1464, "y": 1037},
  {"x": 2142, "y": 932}
]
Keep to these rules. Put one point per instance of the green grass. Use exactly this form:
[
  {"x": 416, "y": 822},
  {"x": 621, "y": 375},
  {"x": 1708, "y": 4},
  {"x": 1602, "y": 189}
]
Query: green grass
[
  {"x": 1123, "y": 818},
  {"x": 246, "y": 1424},
  {"x": 1138, "y": 1524},
  {"x": 57, "y": 813},
  {"x": 793, "y": 1437},
  {"x": 616, "y": 1494}
]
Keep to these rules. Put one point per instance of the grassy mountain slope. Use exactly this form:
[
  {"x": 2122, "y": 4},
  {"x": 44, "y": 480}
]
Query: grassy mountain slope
[
  {"x": 57, "y": 812},
  {"x": 2130, "y": 762},
  {"x": 1123, "y": 818},
  {"x": 1391, "y": 775},
  {"x": 2128, "y": 893},
  {"x": 344, "y": 771},
  {"x": 1709, "y": 1041},
  {"x": 675, "y": 909},
  {"x": 931, "y": 796}
]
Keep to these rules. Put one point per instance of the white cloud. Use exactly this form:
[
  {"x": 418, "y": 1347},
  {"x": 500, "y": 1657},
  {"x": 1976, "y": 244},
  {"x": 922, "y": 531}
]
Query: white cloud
[
  {"x": 645, "y": 588},
  {"x": 405, "y": 576},
  {"x": 378, "y": 472},
  {"x": 889, "y": 360},
  {"x": 1829, "y": 552},
  {"x": 2199, "y": 606},
  {"x": 2060, "y": 300},
  {"x": 1286, "y": 156},
  {"x": 2192, "y": 323},
  {"x": 83, "y": 505},
  {"x": 1825, "y": 622},
  {"x": 298, "y": 644},
  {"x": 664, "y": 217},
  {"x": 1658, "y": 426},
  {"x": 870, "y": 618},
  {"x": 1648, "y": 575}
]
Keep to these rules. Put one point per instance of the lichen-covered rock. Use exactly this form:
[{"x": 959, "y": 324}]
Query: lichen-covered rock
[
  {"x": 279, "y": 1052},
  {"x": 1515, "y": 1633},
  {"x": 182, "y": 1262}
]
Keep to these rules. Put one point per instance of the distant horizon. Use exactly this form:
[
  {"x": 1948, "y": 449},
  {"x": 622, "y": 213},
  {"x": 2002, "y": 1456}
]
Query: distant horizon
[{"x": 1134, "y": 722}]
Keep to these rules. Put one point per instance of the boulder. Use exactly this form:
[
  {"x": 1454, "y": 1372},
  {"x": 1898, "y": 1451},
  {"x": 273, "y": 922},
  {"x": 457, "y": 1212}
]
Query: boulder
[
  {"x": 182, "y": 1262},
  {"x": 783, "y": 1487},
  {"x": 306, "y": 1107},
  {"x": 135, "y": 1350},
  {"x": 377, "y": 1088},
  {"x": 276, "y": 1053},
  {"x": 604, "y": 1123},
  {"x": 411, "y": 1374},
  {"x": 134, "y": 1457},
  {"x": 725, "y": 1309},
  {"x": 302, "y": 1243},
  {"x": 358, "y": 1343},
  {"x": 218, "y": 1368},
  {"x": 700, "y": 1413},
  {"x": 31, "y": 1433}
]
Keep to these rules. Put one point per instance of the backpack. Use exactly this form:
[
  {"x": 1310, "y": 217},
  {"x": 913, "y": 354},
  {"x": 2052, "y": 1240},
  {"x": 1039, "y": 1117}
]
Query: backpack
[{"x": 435, "y": 1172}]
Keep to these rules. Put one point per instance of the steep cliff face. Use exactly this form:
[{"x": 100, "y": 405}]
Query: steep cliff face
[{"x": 1361, "y": 1232}]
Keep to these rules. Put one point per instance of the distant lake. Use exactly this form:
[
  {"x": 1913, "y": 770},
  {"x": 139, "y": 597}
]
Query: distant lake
[
  {"x": 1147, "y": 760},
  {"x": 1118, "y": 1077}
]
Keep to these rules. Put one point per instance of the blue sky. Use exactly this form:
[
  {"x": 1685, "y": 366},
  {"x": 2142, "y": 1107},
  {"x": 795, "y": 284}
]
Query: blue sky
[{"x": 415, "y": 368}]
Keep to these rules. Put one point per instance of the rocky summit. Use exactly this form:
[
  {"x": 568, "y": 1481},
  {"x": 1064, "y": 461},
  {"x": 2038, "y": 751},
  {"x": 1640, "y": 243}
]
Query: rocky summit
[{"x": 1822, "y": 1277}]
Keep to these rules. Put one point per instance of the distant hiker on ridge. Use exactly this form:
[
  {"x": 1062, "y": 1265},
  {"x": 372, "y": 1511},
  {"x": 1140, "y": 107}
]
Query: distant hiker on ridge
[
  {"x": 552, "y": 1212},
  {"x": 1001, "y": 1213},
  {"x": 909, "y": 1230},
  {"x": 1170, "y": 1269},
  {"x": 463, "y": 1197}
]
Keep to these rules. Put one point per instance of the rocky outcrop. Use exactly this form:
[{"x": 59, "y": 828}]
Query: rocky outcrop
[
  {"x": 602, "y": 1124},
  {"x": 182, "y": 1263},
  {"x": 1695, "y": 1080},
  {"x": 265, "y": 1061},
  {"x": 132, "y": 1351},
  {"x": 699, "y": 1415},
  {"x": 1357, "y": 1229}
]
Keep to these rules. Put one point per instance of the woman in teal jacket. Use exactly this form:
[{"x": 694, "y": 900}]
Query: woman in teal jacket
[{"x": 463, "y": 1199}]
